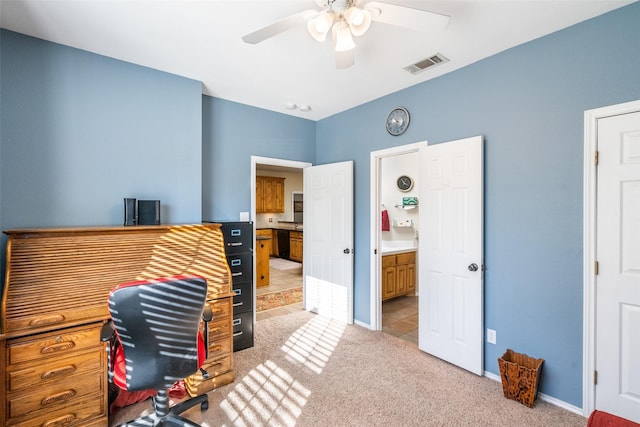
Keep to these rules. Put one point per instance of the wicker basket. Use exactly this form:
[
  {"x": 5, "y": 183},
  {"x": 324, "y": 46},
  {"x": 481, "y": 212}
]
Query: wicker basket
[{"x": 520, "y": 376}]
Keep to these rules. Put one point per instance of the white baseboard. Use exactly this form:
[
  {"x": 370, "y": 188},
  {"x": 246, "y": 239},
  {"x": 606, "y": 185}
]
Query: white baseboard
[
  {"x": 364, "y": 325},
  {"x": 557, "y": 402}
]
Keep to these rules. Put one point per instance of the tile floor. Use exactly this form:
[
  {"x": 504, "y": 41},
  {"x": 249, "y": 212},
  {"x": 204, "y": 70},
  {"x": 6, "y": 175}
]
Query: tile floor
[
  {"x": 400, "y": 318},
  {"x": 280, "y": 280}
]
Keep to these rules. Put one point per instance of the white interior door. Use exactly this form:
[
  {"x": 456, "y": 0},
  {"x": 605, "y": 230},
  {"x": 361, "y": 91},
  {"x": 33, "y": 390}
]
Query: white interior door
[
  {"x": 328, "y": 240},
  {"x": 451, "y": 252},
  {"x": 618, "y": 255}
]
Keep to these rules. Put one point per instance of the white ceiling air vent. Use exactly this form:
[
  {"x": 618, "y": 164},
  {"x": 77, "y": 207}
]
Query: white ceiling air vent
[{"x": 429, "y": 62}]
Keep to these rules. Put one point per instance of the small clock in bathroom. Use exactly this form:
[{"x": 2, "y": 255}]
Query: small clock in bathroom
[{"x": 404, "y": 183}]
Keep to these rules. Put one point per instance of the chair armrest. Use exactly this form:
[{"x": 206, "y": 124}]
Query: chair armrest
[
  {"x": 108, "y": 331},
  {"x": 207, "y": 314}
]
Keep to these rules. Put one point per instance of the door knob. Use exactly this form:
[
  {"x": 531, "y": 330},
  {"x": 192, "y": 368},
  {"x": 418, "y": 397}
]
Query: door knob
[
  {"x": 473, "y": 267},
  {"x": 347, "y": 251}
]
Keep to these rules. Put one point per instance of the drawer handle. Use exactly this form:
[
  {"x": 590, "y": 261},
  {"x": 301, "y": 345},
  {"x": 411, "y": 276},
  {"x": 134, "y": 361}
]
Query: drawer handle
[
  {"x": 238, "y": 304},
  {"x": 65, "y": 395},
  {"x": 215, "y": 348},
  {"x": 216, "y": 330},
  {"x": 237, "y": 334},
  {"x": 60, "y": 371},
  {"x": 47, "y": 320},
  {"x": 218, "y": 311},
  {"x": 239, "y": 273},
  {"x": 60, "y": 421},
  {"x": 58, "y": 347}
]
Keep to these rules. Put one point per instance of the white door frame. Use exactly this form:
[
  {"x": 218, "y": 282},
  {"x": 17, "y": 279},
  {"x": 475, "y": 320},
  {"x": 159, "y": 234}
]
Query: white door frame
[
  {"x": 589, "y": 246},
  {"x": 375, "y": 317},
  {"x": 257, "y": 160}
]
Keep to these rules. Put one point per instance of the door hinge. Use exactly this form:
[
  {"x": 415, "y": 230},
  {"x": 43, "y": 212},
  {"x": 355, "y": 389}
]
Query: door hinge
[
  {"x": 596, "y": 268},
  {"x": 596, "y": 157},
  {"x": 595, "y": 377}
]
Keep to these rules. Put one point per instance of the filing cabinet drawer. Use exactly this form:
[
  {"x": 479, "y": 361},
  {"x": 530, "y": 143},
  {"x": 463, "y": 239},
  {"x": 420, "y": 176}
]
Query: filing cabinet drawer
[
  {"x": 238, "y": 237},
  {"x": 241, "y": 266},
  {"x": 242, "y": 331},
  {"x": 242, "y": 298}
]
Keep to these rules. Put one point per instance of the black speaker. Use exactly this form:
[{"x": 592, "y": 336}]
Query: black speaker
[
  {"x": 129, "y": 211},
  {"x": 148, "y": 212}
]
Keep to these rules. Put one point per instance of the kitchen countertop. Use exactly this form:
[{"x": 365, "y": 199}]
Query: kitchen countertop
[{"x": 288, "y": 227}]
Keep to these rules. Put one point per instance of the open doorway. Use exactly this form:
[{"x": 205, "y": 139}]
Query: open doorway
[
  {"x": 395, "y": 232},
  {"x": 279, "y": 233}
]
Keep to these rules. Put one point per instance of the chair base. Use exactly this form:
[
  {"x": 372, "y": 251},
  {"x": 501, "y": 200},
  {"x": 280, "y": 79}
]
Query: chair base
[{"x": 172, "y": 417}]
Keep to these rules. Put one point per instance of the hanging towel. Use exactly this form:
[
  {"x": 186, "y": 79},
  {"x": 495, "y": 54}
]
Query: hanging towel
[{"x": 385, "y": 221}]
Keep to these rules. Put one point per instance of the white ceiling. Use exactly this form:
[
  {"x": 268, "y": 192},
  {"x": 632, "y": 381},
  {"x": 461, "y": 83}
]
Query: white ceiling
[{"x": 202, "y": 40}]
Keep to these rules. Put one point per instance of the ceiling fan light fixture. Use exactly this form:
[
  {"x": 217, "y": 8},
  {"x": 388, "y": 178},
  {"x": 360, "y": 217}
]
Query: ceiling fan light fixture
[
  {"x": 320, "y": 25},
  {"x": 358, "y": 19},
  {"x": 342, "y": 40}
]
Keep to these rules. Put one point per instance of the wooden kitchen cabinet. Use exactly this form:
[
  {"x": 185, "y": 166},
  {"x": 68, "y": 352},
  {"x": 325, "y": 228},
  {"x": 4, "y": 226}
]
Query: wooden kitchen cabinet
[
  {"x": 295, "y": 246},
  {"x": 269, "y": 194},
  {"x": 274, "y": 243},
  {"x": 398, "y": 275},
  {"x": 263, "y": 250}
]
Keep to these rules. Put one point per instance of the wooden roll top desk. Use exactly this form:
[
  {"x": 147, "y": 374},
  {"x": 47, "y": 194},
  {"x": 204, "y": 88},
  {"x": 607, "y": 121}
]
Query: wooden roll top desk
[{"x": 54, "y": 304}]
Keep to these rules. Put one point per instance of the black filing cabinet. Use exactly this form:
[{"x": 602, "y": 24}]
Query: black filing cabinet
[{"x": 238, "y": 242}]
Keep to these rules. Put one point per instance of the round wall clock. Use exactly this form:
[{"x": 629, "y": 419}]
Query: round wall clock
[
  {"x": 404, "y": 183},
  {"x": 397, "y": 121}
]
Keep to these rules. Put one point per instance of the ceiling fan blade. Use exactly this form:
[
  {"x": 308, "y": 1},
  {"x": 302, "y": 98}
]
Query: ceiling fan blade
[
  {"x": 345, "y": 59},
  {"x": 402, "y": 16},
  {"x": 280, "y": 26}
]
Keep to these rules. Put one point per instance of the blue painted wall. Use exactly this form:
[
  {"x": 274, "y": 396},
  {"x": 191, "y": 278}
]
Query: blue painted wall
[
  {"x": 231, "y": 134},
  {"x": 529, "y": 104},
  {"x": 80, "y": 132}
]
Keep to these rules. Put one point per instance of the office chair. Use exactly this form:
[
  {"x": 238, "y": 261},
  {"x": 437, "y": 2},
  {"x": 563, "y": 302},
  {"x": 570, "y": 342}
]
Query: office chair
[{"x": 158, "y": 341}]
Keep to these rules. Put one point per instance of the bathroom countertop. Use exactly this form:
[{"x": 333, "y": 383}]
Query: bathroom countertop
[{"x": 397, "y": 247}]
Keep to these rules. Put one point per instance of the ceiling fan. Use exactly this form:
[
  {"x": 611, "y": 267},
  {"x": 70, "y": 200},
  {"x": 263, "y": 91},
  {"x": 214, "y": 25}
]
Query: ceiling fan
[{"x": 347, "y": 18}]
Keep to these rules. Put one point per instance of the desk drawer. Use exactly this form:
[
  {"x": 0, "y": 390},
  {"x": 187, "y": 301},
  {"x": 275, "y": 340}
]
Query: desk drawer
[
  {"x": 220, "y": 347},
  {"x": 221, "y": 308},
  {"x": 56, "y": 344},
  {"x": 215, "y": 367},
  {"x": 219, "y": 329},
  {"x": 55, "y": 370},
  {"x": 89, "y": 411},
  {"x": 54, "y": 396}
]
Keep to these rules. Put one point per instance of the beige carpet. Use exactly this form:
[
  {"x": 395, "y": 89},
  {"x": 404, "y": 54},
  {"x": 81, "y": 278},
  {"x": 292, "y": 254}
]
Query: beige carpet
[{"x": 307, "y": 371}]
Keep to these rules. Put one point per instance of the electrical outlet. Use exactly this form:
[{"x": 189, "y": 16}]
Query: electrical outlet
[
  {"x": 491, "y": 336},
  {"x": 270, "y": 219}
]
